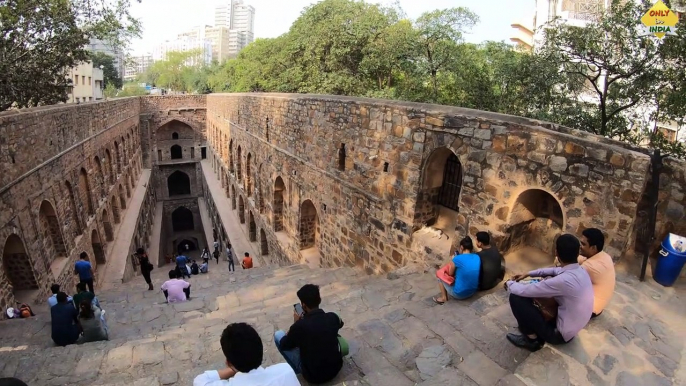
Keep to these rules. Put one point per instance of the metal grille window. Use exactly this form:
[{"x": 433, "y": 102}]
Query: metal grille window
[{"x": 452, "y": 183}]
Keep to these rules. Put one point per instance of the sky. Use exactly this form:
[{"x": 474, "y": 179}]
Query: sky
[{"x": 164, "y": 19}]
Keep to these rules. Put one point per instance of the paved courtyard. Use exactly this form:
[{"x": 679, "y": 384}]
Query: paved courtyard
[{"x": 398, "y": 336}]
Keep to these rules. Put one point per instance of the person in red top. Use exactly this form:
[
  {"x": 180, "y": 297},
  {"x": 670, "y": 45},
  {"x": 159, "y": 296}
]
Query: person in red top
[{"x": 247, "y": 261}]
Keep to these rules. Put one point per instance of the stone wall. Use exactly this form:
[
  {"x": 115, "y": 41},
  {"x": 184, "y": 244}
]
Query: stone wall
[
  {"x": 142, "y": 233},
  {"x": 48, "y": 216},
  {"x": 395, "y": 155}
]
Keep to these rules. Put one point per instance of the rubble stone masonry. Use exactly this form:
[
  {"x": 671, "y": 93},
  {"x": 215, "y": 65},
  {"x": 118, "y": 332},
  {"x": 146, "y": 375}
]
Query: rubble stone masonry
[{"x": 338, "y": 180}]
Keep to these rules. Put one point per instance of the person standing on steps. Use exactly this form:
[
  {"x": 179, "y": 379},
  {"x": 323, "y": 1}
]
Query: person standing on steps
[
  {"x": 84, "y": 269},
  {"x": 243, "y": 350},
  {"x": 312, "y": 345},
  {"x": 216, "y": 255},
  {"x": 247, "y": 261},
  {"x": 181, "y": 267},
  {"x": 146, "y": 266},
  {"x": 229, "y": 256},
  {"x": 205, "y": 255},
  {"x": 216, "y": 245}
]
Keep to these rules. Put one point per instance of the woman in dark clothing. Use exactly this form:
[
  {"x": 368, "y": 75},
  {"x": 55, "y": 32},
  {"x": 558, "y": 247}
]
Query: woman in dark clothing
[
  {"x": 145, "y": 265},
  {"x": 65, "y": 321}
]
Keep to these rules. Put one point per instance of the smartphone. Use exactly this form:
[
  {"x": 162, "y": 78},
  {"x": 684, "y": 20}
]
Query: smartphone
[{"x": 299, "y": 309}]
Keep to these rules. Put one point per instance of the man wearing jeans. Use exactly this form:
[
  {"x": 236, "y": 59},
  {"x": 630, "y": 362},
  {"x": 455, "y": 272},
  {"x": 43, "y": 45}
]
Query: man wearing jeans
[
  {"x": 84, "y": 269},
  {"x": 311, "y": 345}
]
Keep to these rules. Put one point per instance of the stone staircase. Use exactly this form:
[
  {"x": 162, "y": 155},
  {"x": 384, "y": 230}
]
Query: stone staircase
[{"x": 397, "y": 335}]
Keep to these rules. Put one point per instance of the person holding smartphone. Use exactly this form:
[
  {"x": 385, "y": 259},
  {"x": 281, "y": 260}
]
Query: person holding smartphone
[{"x": 311, "y": 345}]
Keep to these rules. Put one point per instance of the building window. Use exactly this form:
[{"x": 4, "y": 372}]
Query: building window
[
  {"x": 76, "y": 80},
  {"x": 83, "y": 79},
  {"x": 89, "y": 80}
]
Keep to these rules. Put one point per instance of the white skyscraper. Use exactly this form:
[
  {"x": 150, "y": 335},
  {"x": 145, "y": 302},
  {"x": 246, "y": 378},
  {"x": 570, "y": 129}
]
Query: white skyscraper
[
  {"x": 184, "y": 43},
  {"x": 239, "y": 18}
]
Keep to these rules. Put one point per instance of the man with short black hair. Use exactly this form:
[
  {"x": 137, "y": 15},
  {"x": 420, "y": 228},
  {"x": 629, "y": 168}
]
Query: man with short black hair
[
  {"x": 555, "y": 309},
  {"x": 243, "y": 350},
  {"x": 492, "y": 269},
  {"x": 55, "y": 289},
  {"x": 247, "y": 261},
  {"x": 84, "y": 269},
  {"x": 311, "y": 346},
  {"x": 599, "y": 266}
]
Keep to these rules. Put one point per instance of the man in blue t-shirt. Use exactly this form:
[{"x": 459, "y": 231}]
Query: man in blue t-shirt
[
  {"x": 181, "y": 267},
  {"x": 464, "y": 267},
  {"x": 85, "y": 271}
]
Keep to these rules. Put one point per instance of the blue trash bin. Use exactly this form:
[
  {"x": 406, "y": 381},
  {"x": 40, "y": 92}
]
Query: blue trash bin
[{"x": 669, "y": 263}]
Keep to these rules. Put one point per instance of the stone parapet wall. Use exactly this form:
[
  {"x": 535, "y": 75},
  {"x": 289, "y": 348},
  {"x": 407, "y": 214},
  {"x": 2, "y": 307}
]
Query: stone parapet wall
[
  {"x": 73, "y": 171},
  {"x": 369, "y": 210}
]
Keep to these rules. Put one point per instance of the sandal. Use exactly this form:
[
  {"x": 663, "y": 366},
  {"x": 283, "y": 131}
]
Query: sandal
[{"x": 436, "y": 301}]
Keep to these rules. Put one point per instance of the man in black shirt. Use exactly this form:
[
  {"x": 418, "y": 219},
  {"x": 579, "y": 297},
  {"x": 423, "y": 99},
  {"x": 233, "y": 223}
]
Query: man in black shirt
[
  {"x": 311, "y": 345},
  {"x": 492, "y": 269}
]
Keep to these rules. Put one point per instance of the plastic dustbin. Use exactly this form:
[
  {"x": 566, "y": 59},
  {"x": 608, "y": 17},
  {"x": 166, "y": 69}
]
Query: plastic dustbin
[{"x": 670, "y": 260}]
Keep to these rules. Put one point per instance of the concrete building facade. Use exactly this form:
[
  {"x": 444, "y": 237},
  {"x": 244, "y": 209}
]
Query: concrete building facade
[{"x": 87, "y": 83}]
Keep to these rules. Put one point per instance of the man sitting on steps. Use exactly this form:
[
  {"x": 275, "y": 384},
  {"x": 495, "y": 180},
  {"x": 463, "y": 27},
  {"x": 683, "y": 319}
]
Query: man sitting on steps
[
  {"x": 311, "y": 346},
  {"x": 247, "y": 261},
  {"x": 176, "y": 290},
  {"x": 243, "y": 350},
  {"x": 599, "y": 266},
  {"x": 492, "y": 269}
]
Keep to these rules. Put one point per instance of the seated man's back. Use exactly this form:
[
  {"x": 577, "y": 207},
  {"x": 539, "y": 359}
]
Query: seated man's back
[
  {"x": 175, "y": 288},
  {"x": 492, "y": 262}
]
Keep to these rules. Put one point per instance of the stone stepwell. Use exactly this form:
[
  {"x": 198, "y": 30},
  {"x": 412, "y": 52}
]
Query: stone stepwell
[{"x": 397, "y": 335}]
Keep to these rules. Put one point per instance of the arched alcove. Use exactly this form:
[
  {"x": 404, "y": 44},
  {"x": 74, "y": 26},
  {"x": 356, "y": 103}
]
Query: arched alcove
[
  {"x": 110, "y": 166},
  {"x": 309, "y": 225},
  {"x": 85, "y": 192},
  {"x": 182, "y": 219},
  {"x": 248, "y": 175},
  {"x": 536, "y": 219},
  {"x": 115, "y": 209},
  {"x": 241, "y": 210},
  {"x": 277, "y": 204},
  {"x": 175, "y": 135},
  {"x": 176, "y": 152},
  {"x": 264, "y": 244},
  {"x": 122, "y": 197},
  {"x": 99, "y": 175},
  {"x": 233, "y": 197},
  {"x": 72, "y": 207},
  {"x": 231, "y": 156},
  {"x": 252, "y": 227},
  {"x": 239, "y": 161},
  {"x": 178, "y": 184},
  {"x": 175, "y": 129},
  {"x": 109, "y": 234},
  {"x": 98, "y": 249},
  {"x": 53, "y": 242},
  {"x": 441, "y": 186},
  {"x": 117, "y": 157},
  {"x": 17, "y": 266}
]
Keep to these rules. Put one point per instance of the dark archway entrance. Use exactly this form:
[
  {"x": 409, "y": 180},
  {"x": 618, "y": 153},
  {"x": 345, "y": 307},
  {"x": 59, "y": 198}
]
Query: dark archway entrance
[
  {"x": 535, "y": 221},
  {"x": 178, "y": 184},
  {"x": 241, "y": 210},
  {"x": 18, "y": 268},
  {"x": 252, "y": 227},
  {"x": 264, "y": 244},
  {"x": 53, "y": 243},
  {"x": 98, "y": 249},
  {"x": 277, "y": 205},
  {"x": 309, "y": 225},
  {"x": 176, "y": 152},
  {"x": 182, "y": 219}
]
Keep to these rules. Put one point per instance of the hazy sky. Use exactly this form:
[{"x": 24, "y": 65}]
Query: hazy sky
[{"x": 164, "y": 19}]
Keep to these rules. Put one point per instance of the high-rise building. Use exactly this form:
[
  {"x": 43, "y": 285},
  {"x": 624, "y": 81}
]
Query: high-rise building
[
  {"x": 574, "y": 12},
  {"x": 97, "y": 45},
  {"x": 182, "y": 44},
  {"x": 239, "y": 18},
  {"x": 137, "y": 65}
]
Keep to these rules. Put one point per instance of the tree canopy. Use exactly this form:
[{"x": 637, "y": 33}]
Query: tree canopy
[
  {"x": 41, "y": 39},
  {"x": 109, "y": 70}
]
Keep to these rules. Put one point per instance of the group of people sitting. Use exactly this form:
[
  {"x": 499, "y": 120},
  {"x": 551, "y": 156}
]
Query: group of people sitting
[
  {"x": 78, "y": 318},
  {"x": 557, "y": 302},
  {"x": 311, "y": 347}
]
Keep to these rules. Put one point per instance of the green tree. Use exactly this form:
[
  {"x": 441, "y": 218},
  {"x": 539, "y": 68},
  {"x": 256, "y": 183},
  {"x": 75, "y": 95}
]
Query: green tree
[
  {"x": 439, "y": 33},
  {"x": 174, "y": 71},
  {"x": 41, "y": 39},
  {"x": 109, "y": 71}
]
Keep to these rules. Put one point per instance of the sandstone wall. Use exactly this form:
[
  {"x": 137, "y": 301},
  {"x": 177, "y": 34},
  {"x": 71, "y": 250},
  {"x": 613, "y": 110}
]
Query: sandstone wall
[
  {"x": 370, "y": 202},
  {"x": 67, "y": 172},
  {"x": 142, "y": 233}
]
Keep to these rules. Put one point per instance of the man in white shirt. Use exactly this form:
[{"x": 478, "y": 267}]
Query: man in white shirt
[
  {"x": 176, "y": 290},
  {"x": 243, "y": 350}
]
